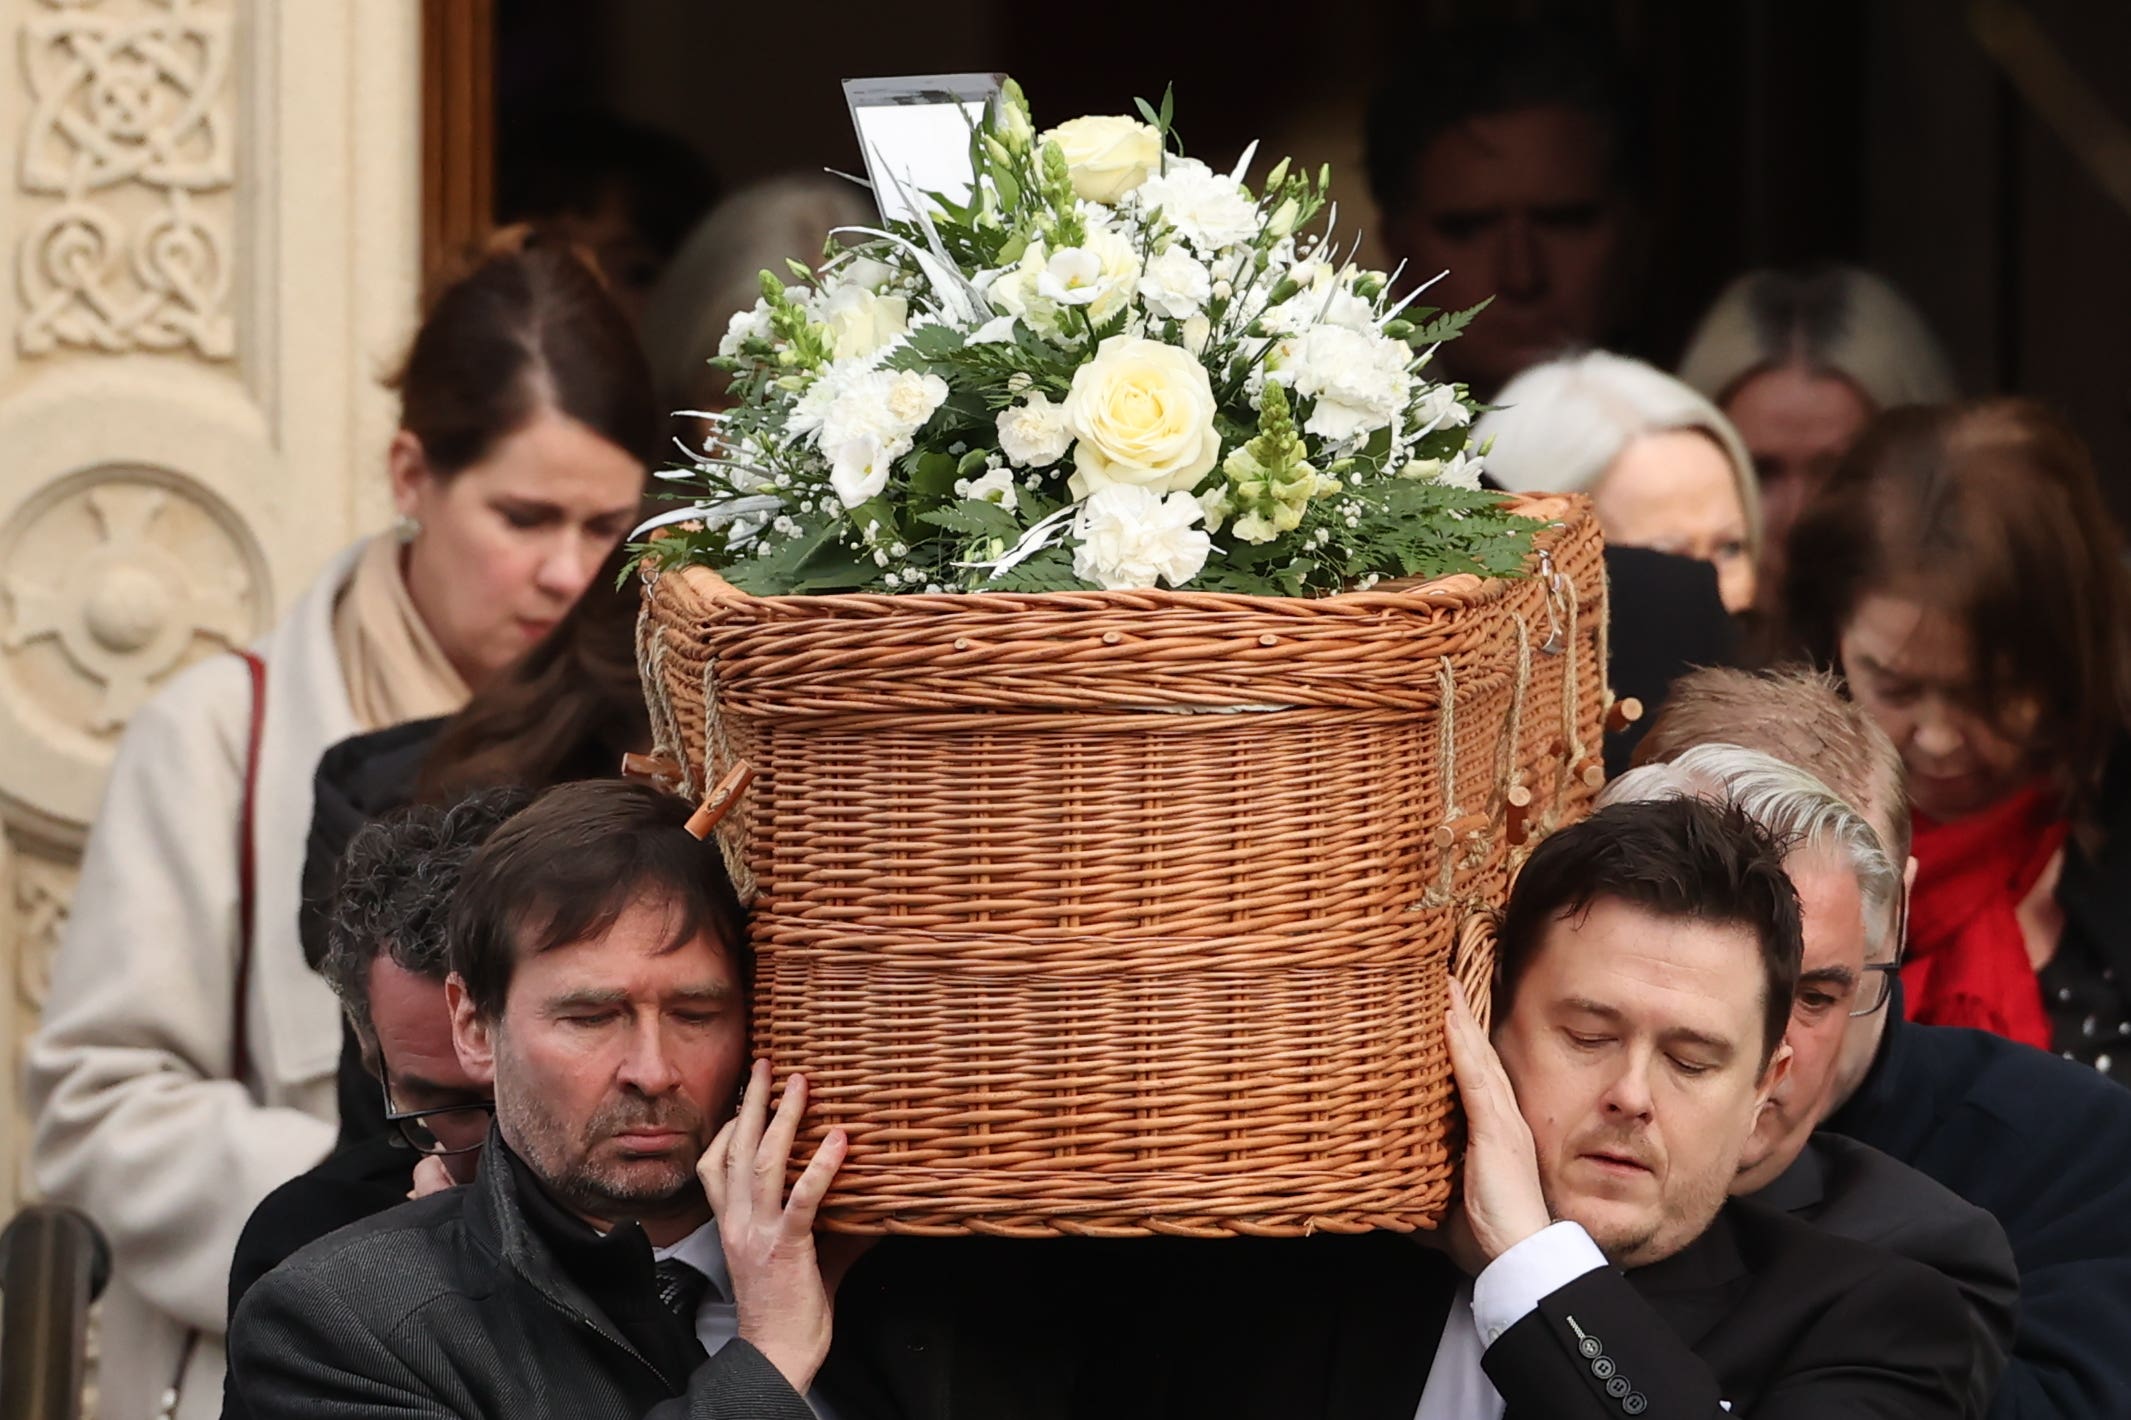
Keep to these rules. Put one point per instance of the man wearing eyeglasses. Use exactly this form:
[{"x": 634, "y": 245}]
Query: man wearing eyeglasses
[
  {"x": 1850, "y": 898},
  {"x": 2038, "y": 1142},
  {"x": 387, "y": 958}
]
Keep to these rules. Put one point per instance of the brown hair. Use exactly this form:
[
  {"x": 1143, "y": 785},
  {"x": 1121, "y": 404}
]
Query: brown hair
[
  {"x": 529, "y": 327},
  {"x": 567, "y": 868},
  {"x": 569, "y": 708},
  {"x": 1798, "y": 715},
  {"x": 1679, "y": 858},
  {"x": 1991, "y": 512}
]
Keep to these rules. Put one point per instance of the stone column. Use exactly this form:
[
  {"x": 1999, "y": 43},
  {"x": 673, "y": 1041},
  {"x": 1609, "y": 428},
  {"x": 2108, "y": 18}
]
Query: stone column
[{"x": 209, "y": 224}]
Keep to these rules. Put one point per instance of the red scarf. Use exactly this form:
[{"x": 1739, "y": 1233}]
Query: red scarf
[{"x": 1968, "y": 962}]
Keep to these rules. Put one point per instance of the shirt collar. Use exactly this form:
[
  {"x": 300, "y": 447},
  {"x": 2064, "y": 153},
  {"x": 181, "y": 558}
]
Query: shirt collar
[{"x": 703, "y": 1250}]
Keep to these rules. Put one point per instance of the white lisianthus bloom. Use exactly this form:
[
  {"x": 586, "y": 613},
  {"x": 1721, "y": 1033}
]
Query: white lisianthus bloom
[
  {"x": 866, "y": 271},
  {"x": 861, "y": 322},
  {"x": 1440, "y": 407},
  {"x": 871, "y": 424},
  {"x": 1143, "y": 413},
  {"x": 1197, "y": 332},
  {"x": 1175, "y": 284},
  {"x": 1359, "y": 382},
  {"x": 752, "y": 324},
  {"x": 1107, "y": 155},
  {"x": 1208, "y": 209},
  {"x": 1460, "y": 470},
  {"x": 1099, "y": 274},
  {"x": 1132, "y": 537},
  {"x": 995, "y": 486},
  {"x": 1033, "y": 434}
]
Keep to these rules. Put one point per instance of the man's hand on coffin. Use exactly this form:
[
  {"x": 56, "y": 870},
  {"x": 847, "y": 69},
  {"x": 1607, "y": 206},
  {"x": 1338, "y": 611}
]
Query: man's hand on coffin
[
  {"x": 1503, "y": 1204},
  {"x": 779, "y": 1288}
]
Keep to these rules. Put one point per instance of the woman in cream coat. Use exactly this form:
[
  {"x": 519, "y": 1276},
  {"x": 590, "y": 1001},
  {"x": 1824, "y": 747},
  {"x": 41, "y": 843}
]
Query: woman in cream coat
[{"x": 526, "y": 421}]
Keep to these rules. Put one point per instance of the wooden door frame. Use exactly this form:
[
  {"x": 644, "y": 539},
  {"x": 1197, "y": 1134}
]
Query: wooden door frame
[{"x": 458, "y": 130}]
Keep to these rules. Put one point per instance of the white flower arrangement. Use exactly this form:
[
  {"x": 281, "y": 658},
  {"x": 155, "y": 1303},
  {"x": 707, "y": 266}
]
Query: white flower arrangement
[{"x": 1111, "y": 366}]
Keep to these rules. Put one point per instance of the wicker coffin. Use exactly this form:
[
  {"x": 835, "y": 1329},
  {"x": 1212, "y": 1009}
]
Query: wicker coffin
[{"x": 1122, "y": 913}]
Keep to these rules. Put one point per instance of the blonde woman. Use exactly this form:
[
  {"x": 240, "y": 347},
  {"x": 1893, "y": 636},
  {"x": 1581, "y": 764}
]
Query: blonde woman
[
  {"x": 1664, "y": 469},
  {"x": 1800, "y": 362},
  {"x": 187, "y": 1060}
]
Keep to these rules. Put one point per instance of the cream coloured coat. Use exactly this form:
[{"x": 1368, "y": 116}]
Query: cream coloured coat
[{"x": 138, "y": 1122}]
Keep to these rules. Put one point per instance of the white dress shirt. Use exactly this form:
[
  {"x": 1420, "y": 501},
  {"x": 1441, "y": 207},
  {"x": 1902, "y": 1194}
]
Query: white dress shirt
[{"x": 1501, "y": 1296}]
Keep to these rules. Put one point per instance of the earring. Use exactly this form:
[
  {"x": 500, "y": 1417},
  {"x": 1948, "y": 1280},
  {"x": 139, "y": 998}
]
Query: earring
[{"x": 407, "y": 529}]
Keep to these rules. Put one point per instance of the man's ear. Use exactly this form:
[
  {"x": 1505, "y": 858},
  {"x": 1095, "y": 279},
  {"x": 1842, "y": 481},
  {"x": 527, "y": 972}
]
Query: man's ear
[
  {"x": 472, "y": 1034},
  {"x": 1779, "y": 1070},
  {"x": 409, "y": 468}
]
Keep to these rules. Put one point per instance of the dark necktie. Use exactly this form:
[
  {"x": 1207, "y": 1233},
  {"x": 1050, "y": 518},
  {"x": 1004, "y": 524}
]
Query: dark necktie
[{"x": 681, "y": 1290}]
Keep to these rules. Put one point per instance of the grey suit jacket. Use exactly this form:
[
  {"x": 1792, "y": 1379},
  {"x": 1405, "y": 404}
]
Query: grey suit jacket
[
  {"x": 1854, "y": 1191},
  {"x": 457, "y": 1306}
]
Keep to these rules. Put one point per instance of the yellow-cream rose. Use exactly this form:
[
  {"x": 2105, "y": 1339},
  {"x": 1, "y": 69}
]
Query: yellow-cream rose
[
  {"x": 1142, "y": 413},
  {"x": 1107, "y": 155}
]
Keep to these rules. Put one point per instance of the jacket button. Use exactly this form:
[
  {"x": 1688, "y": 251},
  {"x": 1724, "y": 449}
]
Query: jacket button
[
  {"x": 1602, "y": 1367},
  {"x": 1589, "y": 1347},
  {"x": 1635, "y": 1404},
  {"x": 1617, "y": 1387}
]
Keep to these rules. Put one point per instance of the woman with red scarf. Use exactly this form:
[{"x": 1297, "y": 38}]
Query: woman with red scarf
[{"x": 1962, "y": 571}]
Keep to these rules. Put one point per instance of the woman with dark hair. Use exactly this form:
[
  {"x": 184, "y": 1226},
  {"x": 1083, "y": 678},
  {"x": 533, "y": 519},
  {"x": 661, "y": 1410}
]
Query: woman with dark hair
[
  {"x": 1962, "y": 571},
  {"x": 568, "y": 709},
  {"x": 186, "y": 1065}
]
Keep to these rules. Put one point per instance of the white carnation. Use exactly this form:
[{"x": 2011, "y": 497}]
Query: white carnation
[
  {"x": 872, "y": 423},
  {"x": 1132, "y": 537},
  {"x": 995, "y": 486},
  {"x": 1359, "y": 382},
  {"x": 1208, "y": 209},
  {"x": 1034, "y": 434},
  {"x": 1175, "y": 284},
  {"x": 745, "y": 326}
]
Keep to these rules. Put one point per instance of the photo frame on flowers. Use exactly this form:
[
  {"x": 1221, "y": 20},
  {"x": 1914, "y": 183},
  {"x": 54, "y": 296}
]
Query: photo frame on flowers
[{"x": 913, "y": 132}]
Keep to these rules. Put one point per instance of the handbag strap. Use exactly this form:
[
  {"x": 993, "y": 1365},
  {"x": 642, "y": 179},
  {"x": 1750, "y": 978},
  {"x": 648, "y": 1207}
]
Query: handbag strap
[{"x": 247, "y": 870}]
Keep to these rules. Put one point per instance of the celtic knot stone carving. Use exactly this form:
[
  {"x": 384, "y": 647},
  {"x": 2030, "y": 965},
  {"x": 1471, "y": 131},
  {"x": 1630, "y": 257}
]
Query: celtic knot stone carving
[
  {"x": 112, "y": 581},
  {"x": 130, "y": 131}
]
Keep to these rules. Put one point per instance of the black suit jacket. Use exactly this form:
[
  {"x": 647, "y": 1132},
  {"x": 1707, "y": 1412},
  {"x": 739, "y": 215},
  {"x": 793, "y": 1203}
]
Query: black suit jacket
[
  {"x": 461, "y": 1305},
  {"x": 358, "y": 1182},
  {"x": 2045, "y": 1146},
  {"x": 1665, "y": 620},
  {"x": 1854, "y": 1191},
  {"x": 1781, "y": 1319}
]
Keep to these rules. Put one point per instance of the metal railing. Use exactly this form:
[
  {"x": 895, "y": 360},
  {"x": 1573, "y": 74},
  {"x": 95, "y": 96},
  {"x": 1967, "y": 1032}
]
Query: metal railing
[{"x": 53, "y": 1263}]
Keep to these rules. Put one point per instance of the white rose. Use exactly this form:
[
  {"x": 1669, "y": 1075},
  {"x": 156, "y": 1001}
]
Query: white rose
[
  {"x": 1208, "y": 209},
  {"x": 996, "y": 486},
  {"x": 1175, "y": 284},
  {"x": 1144, "y": 415},
  {"x": 860, "y": 322},
  {"x": 1440, "y": 408},
  {"x": 1099, "y": 274},
  {"x": 1131, "y": 537},
  {"x": 1107, "y": 156},
  {"x": 871, "y": 424},
  {"x": 1358, "y": 381},
  {"x": 1033, "y": 435}
]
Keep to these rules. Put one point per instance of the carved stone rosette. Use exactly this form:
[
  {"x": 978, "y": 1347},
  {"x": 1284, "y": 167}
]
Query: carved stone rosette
[{"x": 210, "y": 220}]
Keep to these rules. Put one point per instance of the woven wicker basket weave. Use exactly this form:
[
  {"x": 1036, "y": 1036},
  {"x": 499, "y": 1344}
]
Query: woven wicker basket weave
[{"x": 1123, "y": 913}]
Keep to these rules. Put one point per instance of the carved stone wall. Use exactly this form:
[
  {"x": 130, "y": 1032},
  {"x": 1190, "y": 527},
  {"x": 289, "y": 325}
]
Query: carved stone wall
[{"x": 209, "y": 230}]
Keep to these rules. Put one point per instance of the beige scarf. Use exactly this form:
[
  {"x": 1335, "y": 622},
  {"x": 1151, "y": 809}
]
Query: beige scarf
[{"x": 394, "y": 668}]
